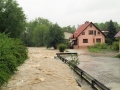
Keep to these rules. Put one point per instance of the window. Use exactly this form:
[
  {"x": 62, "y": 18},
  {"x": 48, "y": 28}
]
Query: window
[
  {"x": 93, "y": 40},
  {"x": 90, "y": 25},
  {"x": 98, "y": 33},
  {"x": 95, "y": 33},
  {"x": 85, "y": 40},
  {"x": 91, "y": 32},
  {"x": 98, "y": 40},
  {"x": 83, "y": 33}
]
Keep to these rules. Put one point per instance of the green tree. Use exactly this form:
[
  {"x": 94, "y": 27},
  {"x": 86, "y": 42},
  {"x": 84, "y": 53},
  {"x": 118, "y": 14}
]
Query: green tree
[
  {"x": 27, "y": 35},
  {"x": 54, "y": 36},
  {"x": 117, "y": 26},
  {"x": 39, "y": 34},
  {"x": 69, "y": 28},
  {"x": 111, "y": 33},
  {"x": 12, "y": 18},
  {"x": 32, "y": 36},
  {"x": 104, "y": 26}
]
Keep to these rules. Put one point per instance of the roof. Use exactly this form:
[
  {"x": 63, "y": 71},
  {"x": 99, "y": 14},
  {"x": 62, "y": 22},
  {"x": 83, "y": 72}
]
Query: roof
[
  {"x": 118, "y": 34},
  {"x": 82, "y": 28}
]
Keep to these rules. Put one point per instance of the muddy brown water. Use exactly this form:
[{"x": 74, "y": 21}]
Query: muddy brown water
[{"x": 42, "y": 72}]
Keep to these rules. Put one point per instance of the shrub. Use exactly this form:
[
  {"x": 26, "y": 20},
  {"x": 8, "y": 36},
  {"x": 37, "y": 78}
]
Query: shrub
[
  {"x": 62, "y": 47},
  {"x": 115, "y": 46},
  {"x": 99, "y": 46},
  {"x": 12, "y": 54},
  {"x": 103, "y": 46},
  {"x": 117, "y": 56}
]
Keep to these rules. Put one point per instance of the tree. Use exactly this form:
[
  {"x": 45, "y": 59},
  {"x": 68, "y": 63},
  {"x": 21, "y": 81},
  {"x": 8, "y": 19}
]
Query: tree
[
  {"x": 54, "y": 36},
  {"x": 27, "y": 35},
  {"x": 111, "y": 33},
  {"x": 12, "y": 18},
  {"x": 104, "y": 26},
  {"x": 35, "y": 32},
  {"x": 69, "y": 29},
  {"x": 39, "y": 34}
]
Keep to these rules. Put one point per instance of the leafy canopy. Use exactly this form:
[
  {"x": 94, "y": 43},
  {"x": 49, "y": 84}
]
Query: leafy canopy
[
  {"x": 35, "y": 32},
  {"x": 12, "y": 18},
  {"x": 54, "y": 36}
]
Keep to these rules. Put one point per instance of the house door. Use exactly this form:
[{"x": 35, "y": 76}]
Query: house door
[{"x": 75, "y": 42}]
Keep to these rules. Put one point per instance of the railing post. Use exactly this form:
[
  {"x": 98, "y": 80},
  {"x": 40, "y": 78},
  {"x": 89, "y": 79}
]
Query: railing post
[
  {"x": 92, "y": 83},
  {"x": 81, "y": 75}
]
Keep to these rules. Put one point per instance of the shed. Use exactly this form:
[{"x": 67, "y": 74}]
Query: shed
[{"x": 118, "y": 36}]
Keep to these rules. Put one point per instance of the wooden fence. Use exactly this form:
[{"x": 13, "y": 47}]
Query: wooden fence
[{"x": 83, "y": 75}]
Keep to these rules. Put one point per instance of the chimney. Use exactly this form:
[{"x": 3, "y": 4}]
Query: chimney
[{"x": 86, "y": 22}]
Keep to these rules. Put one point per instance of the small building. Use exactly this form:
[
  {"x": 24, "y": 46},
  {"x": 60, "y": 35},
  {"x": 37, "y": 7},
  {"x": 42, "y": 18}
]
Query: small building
[
  {"x": 105, "y": 32},
  {"x": 86, "y": 35},
  {"x": 67, "y": 35},
  {"x": 118, "y": 36}
]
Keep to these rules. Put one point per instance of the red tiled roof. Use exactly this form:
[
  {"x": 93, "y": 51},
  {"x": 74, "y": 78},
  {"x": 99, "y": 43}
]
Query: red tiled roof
[
  {"x": 80, "y": 30},
  {"x": 118, "y": 34}
]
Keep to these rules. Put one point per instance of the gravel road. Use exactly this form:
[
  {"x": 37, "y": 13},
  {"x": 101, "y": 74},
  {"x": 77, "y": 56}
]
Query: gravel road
[{"x": 102, "y": 66}]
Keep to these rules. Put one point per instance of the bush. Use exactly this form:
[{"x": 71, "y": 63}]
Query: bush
[
  {"x": 103, "y": 46},
  {"x": 117, "y": 56},
  {"x": 99, "y": 46},
  {"x": 62, "y": 47},
  {"x": 12, "y": 54},
  {"x": 115, "y": 46}
]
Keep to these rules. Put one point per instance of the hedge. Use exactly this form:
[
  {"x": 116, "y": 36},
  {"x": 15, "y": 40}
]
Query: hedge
[{"x": 12, "y": 54}]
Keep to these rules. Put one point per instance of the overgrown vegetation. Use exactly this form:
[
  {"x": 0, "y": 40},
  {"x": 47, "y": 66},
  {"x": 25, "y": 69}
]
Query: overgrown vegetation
[
  {"x": 117, "y": 56},
  {"x": 98, "y": 47},
  {"x": 104, "y": 47},
  {"x": 115, "y": 46},
  {"x": 12, "y": 54}
]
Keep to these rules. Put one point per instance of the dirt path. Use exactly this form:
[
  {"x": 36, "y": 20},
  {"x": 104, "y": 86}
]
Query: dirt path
[{"x": 42, "y": 72}]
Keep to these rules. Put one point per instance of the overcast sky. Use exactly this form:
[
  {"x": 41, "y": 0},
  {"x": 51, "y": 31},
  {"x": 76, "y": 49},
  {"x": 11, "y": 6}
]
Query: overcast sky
[{"x": 72, "y": 12}]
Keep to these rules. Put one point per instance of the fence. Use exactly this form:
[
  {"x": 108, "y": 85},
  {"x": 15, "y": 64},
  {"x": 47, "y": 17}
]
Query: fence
[{"x": 89, "y": 79}]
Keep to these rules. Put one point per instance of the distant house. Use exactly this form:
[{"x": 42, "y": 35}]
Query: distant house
[
  {"x": 86, "y": 35},
  {"x": 105, "y": 32},
  {"x": 67, "y": 35}
]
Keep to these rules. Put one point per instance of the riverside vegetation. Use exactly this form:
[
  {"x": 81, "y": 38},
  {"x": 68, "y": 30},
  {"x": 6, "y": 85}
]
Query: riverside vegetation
[
  {"x": 12, "y": 54},
  {"x": 103, "y": 47}
]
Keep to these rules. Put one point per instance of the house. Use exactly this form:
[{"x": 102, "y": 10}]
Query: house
[
  {"x": 67, "y": 35},
  {"x": 86, "y": 35},
  {"x": 118, "y": 36},
  {"x": 105, "y": 32}
]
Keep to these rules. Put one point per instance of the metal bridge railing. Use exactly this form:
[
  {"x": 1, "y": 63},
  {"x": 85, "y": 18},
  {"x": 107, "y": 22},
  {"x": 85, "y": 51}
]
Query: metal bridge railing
[{"x": 83, "y": 75}]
